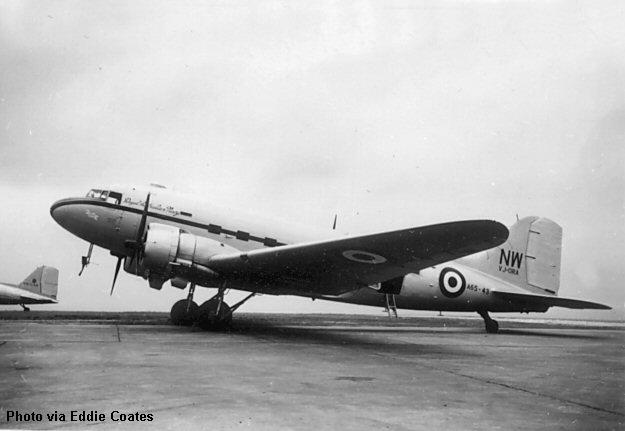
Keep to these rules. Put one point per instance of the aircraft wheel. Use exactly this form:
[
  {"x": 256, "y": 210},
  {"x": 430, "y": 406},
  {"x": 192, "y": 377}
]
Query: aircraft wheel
[
  {"x": 209, "y": 320},
  {"x": 180, "y": 316},
  {"x": 492, "y": 327}
]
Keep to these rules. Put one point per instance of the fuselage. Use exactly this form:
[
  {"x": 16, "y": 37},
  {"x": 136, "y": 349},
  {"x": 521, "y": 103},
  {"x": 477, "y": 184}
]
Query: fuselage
[
  {"x": 111, "y": 218},
  {"x": 109, "y": 222}
]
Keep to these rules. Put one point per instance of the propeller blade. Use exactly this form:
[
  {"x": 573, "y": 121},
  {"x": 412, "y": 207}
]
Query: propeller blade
[
  {"x": 119, "y": 264},
  {"x": 140, "y": 230},
  {"x": 144, "y": 217}
]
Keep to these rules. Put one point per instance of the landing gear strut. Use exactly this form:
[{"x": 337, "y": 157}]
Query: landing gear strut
[
  {"x": 492, "y": 327},
  {"x": 25, "y": 307}
]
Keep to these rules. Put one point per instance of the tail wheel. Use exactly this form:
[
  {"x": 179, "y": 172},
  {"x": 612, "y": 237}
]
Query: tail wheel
[
  {"x": 184, "y": 313},
  {"x": 214, "y": 316}
]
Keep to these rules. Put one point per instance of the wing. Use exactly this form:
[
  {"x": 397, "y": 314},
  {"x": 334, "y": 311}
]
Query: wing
[
  {"x": 340, "y": 265},
  {"x": 547, "y": 301}
]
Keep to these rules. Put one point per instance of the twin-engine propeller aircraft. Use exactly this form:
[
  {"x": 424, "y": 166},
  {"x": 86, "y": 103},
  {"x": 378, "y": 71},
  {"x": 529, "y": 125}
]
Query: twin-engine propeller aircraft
[
  {"x": 162, "y": 236},
  {"x": 40, "y": 287}
]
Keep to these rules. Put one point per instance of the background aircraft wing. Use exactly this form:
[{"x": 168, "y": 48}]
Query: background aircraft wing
[
  {"x": 546, "y": 300},
  {"x": 339, "y": 265}
]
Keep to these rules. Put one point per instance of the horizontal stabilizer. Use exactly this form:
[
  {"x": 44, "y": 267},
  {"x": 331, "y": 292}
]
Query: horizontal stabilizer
[{"x": 547, "y": 301}]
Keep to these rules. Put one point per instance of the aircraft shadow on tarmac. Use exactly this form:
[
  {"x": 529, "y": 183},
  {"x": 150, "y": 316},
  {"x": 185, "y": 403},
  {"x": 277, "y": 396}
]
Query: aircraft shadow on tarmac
[
  {"x": 400, "y": 342},
  {"x": 352, "y": 338},
  {"x": 365, "y": 337},
  {"x": 555, "y": 334}
]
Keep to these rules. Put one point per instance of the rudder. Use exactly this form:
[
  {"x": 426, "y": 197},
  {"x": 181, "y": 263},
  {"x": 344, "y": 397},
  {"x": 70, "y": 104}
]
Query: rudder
[{"x": 543, "y": 256}]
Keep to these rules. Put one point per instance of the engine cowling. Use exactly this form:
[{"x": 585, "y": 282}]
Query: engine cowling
[{"x": 173, "y": 252}]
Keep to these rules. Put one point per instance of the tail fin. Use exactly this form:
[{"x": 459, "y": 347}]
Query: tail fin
[
  {"x": 530, "y": 258},
  {"x": 42, "y": 281}
]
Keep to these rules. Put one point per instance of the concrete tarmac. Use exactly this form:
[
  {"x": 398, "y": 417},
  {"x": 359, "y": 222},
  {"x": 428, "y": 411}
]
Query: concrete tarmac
[{"x": 287, "y": 373}]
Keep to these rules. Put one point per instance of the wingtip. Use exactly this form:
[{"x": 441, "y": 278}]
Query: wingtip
[
  {"x": 498, "y": 231},
  {"x": 502, "y": 230}
]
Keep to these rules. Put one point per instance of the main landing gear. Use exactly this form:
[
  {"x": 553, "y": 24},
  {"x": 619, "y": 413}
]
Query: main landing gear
[
  {"x": 213, "y": 314},
  {"x": 492, "y": 327},
  {"x": 25, "y": 307}
]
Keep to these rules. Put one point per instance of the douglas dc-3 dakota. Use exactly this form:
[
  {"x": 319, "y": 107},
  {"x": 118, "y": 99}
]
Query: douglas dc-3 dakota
[{"x": 475, "y": 265}]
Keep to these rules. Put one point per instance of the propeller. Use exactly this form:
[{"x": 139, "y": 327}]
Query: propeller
[
  {"x": 119, "y": 264},
  {"x": 136, "y": 244},
  {"x": 140, "y": 230}
]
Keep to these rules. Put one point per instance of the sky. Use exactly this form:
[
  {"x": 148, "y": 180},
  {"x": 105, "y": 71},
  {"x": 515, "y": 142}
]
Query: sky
[{"x": 390, "y": 114}]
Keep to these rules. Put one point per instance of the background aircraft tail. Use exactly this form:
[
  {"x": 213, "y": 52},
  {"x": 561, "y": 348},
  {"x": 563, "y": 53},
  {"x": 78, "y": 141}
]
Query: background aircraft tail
[
  {"x": 530, "y": 258},
  {"x": 42, "y": 281}
]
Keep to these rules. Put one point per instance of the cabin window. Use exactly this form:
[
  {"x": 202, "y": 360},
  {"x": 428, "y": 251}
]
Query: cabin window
[
  {"x": 213, "y": 228},
  {"x": 270, "y": 242},
  {"x": 243, "y": 236}
]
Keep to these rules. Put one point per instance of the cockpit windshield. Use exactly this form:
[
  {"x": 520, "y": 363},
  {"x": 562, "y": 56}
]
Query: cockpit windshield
[{"x": 105, "y": 195}]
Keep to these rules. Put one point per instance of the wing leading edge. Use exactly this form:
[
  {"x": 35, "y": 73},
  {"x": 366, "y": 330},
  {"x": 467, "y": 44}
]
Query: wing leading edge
[{"x": 340, "y": 265}]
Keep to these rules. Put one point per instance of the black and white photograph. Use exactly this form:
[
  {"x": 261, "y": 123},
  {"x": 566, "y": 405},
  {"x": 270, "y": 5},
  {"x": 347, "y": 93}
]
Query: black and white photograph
[{"x": 290, "y": 215}]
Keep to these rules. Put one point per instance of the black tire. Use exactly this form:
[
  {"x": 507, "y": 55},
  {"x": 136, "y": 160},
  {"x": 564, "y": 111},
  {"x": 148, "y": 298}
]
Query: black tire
[
  {"x": 180, "y": 316},
  {"x": 209, "y": 320}
]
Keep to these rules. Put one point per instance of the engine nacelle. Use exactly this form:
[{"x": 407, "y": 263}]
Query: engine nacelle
[{"x": 172, "y": 252}]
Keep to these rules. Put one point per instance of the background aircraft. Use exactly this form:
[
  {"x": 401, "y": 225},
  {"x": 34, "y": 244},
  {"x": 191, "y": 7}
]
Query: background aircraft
[
  {"x": 40, "y": 287},
  {"x": 161, "y": 236}
]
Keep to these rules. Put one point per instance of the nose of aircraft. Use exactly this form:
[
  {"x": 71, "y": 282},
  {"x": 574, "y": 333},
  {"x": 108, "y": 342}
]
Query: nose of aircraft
[
  {"x": 59, "y": 213},
  {"x": 90, "y": 222},
  {"x": 66, "y": 212}
]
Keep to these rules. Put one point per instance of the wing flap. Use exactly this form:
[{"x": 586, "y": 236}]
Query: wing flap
[{"x": 339, "y": 265}]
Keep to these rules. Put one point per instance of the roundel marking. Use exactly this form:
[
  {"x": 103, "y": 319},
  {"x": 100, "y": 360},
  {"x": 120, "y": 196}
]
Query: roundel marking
[
  {"x": 451, "y": 282},
  {"x": 364, "y": 256}
]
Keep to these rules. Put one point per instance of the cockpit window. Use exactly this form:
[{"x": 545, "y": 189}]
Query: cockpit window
[
  {"x": 105, "y": 195},
  {"x": 114, "y": 197},
  {"x": 94, "y": 193}
]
